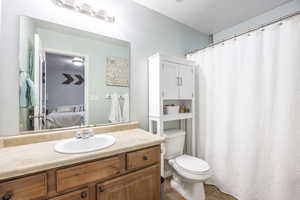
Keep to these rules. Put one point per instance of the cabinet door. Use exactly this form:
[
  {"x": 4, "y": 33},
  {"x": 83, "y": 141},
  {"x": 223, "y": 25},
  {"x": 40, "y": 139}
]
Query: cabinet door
[
  {"x": 170, "y": 80},
  {"x": 141, "y": 185},
  {"x": 186, "y": 82}
]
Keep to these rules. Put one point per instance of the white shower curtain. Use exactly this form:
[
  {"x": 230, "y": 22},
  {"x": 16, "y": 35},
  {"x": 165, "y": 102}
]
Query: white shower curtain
[{"x": 249, "y": 112}]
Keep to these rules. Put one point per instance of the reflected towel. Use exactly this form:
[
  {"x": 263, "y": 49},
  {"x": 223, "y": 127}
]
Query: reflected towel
[
  {"x": 31, "y": 96},
  {"x": 126, "y": 108},
  {"x": 27, "y": 90},
  {"x": 115, "y": 112},
  {"x": 23, "y": 90}
]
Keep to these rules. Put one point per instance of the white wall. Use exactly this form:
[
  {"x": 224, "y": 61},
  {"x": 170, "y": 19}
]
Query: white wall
[
  {"x": 147, "y": 31},
  {"x": 267, "y": 17},
  {"x": 0, "y": 15}
]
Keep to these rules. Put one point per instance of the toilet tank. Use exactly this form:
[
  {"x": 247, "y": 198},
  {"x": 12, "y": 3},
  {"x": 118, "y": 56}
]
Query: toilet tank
[{"x": 174, "y": 143}]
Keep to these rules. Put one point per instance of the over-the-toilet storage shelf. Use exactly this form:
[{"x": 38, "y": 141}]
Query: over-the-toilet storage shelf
[{"x": 171, "y": 79}]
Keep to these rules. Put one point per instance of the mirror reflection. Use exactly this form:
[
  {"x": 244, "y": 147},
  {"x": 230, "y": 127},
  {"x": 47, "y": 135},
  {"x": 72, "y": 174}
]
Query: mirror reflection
[{"x": 70, "y": 78}]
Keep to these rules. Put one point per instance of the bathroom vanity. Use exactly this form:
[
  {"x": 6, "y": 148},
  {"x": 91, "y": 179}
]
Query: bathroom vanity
[{"x": 128, "y": 170}]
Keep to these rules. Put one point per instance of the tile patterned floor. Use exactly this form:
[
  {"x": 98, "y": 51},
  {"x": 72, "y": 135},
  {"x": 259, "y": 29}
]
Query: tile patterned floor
[{"x": 212, "y": 193}]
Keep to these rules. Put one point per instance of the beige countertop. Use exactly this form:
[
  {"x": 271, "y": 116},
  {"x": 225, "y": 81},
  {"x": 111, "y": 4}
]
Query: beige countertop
[{"x": 31, "y": 158}]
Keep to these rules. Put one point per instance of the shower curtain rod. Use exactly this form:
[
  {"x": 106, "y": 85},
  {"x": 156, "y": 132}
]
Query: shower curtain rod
[{"x": 249, "y": 31}]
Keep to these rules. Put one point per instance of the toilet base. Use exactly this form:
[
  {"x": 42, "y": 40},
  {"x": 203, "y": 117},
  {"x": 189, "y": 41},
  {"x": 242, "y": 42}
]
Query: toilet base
[{"x": 189, "y": 190}]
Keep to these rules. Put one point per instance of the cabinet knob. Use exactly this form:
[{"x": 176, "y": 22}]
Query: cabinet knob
[
  {"x": 145, "y": 158},
  {"x": 100, "y": 189},
  {"x": 83, "y": 195},
  {"x": 8, "y": 196}
]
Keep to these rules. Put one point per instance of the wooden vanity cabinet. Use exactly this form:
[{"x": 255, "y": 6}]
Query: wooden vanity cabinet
[{"x": 127, "y": 176}]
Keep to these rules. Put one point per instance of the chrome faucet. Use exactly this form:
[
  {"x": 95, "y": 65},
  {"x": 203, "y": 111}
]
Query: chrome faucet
[{"x": 84, "y": 134}]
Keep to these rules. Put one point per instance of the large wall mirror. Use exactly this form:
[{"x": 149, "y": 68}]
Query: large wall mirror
[{"x": 70, "y": 78}]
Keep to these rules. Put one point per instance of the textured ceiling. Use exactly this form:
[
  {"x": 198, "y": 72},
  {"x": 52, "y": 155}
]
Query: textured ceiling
[{"x": 59, "y": 62}]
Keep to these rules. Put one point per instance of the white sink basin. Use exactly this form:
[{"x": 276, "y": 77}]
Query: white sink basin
[{"x": 74, "y": 145}]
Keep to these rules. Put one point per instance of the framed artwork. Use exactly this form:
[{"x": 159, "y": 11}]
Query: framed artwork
[{"x": 117, "y": 71}]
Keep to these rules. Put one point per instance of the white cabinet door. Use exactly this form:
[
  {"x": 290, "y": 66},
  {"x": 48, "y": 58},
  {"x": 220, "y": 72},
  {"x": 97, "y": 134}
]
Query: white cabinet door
[
  {"x": 186, "y": 82},
  {"x": 169, "y": 77}
]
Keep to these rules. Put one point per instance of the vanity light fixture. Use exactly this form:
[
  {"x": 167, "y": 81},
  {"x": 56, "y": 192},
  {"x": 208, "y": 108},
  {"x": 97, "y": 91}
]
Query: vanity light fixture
[
  {"x": 85, "y": 9},
  {"x": 69, "y": 4},
  {"x": 77, "y": 61}
]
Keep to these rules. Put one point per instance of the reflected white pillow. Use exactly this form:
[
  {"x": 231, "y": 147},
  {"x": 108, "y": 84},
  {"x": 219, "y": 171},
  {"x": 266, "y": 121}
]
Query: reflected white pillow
[{"x": 65, "y": 109}]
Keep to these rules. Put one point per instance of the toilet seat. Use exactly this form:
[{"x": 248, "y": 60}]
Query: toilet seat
[{"x": 192, "y": 165}]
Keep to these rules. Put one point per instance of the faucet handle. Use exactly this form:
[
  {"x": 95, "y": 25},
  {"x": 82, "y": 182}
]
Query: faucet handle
[
  {"x": 89, "y": 132},
  {"x": 84, "y": 134},
  {"x": 78, "y": 134}
]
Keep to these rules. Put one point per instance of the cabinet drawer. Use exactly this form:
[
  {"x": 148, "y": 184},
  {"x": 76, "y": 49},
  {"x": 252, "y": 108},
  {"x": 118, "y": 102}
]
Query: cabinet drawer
[
  {"x": 77, "y": 195},
  {"x": 143, "y": 158},
  {"x": 86, "y": 173},
  {"x": 31, "y": 187}
]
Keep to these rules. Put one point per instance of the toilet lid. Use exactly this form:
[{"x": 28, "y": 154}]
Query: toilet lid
[{"x": 192, "y": 164}]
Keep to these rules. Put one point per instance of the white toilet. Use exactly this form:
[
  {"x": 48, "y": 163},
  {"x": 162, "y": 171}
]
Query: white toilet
[{"x": 189, "y": 173}]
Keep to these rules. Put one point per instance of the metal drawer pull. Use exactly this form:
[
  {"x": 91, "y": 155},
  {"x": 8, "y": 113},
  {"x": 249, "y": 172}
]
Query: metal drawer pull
[
  {"x": 145, "y": 158},
  {"x": 8, "y": 196},
  {"x": 101, "y": 189},
  {"x": 83, "y": 195}
]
